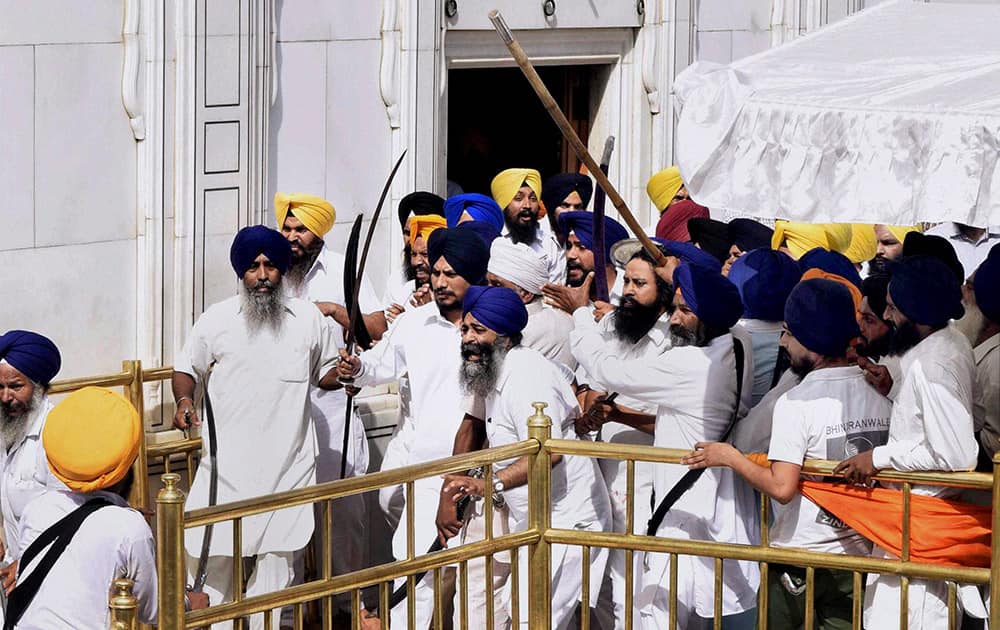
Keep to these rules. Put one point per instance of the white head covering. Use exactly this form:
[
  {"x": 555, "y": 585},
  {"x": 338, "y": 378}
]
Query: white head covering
[{"x": 517, "y": 263}]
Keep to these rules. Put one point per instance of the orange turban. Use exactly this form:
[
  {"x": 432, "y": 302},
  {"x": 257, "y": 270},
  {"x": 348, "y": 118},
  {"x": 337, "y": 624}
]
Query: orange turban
[
  {"x": 91, "y": 439},
  {"x": 815, "y": 272},
  {"x": 316, "y": 214},
  {"x": 506, "y": 184},
  {"x": 422, "y": 226},
  {"x": 863, "y": 243},
  {"x": 663, "y": 186}
]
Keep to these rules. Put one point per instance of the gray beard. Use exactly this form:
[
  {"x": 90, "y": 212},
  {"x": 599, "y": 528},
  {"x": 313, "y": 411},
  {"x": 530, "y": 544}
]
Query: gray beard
[
  {"x": 480, "y": 377},
  {"x": 680, "y": 336},
  {"x": 13, "y": 429},
  {"x": 264, "y": 310},
  {"x": 971, "y": 324},
  {"x": 298, "y": 269}
]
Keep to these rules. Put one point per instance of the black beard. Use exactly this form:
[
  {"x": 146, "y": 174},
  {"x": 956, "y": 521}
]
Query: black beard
[
  {"x": 480, "y": 377},
  {"x": 902, "y": 338},
  {"x": 13, "y": 428},
  {"x": 520, "y": 233},
  {"x": 802, "y": 368},
  {"x": 573, "y": 264},
  {"x": 633, "y": 320},
  {"x": 409, "y": 271},
  {"x": 878, "y": 265},
  {"x": 879, "y": 348},
  {"x": 418, "y": 271},
  {"x": 681, "y": 336},
  {"x": 300, "y": 265},
  {"x": 264, "y": 309}
]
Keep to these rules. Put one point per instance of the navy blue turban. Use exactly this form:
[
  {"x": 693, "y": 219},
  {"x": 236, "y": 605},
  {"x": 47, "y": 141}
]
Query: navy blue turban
[
  {"x": 31, "y": 354},
  {"x": 689, "y": 254},
  {"x": 764, "y": 278},
  {"x": 581, "y": 223},
  {"x": 874, "y": 287},
  {"x": 748, "y": 234},
  {"x": 712, "y": 297},
  {"x": 987, "y": 285},
  {"x": 479, "y": 207},
  {"x": 419, "y": 204},
  {"x": 498, "y": 308},
  {"x": 483, "y": 230},
  {"x": 464, "y": 250},
  {"x": 820, "y": 313},
  {"x": 711, "y": 236},
  {"x": 252, "y": 241},
  {"x": 926, "y": 291},
  {"x": 558, "y": 187},
  {"x": 830, "y": 262},
  {"x": 918, "y": 244}
]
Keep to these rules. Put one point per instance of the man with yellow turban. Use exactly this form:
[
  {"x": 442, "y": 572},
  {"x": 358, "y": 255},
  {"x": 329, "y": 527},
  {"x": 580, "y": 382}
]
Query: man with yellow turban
[
  {"x": 889, "y": 240},
  {"x": 666, "y": 188},
  {"x": 517, "y": 191},
  {"x": 796, "y": 238},
  {"x": 417, "y": 291},
  {"x": 91, "y": 438},
  {"x": 863, "y": 244}
]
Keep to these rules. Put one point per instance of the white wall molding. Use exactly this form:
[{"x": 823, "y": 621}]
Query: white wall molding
[
  {"x": 131, "y": 65},
  {"x": 389, "y": 62}
]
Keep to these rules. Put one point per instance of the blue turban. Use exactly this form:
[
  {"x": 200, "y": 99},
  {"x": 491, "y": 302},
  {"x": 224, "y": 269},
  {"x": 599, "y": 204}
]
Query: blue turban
[
  {"x": 581, "y": 223},
  {"x": 31, "y": 354},
  {"x": 558, "y": 187},
  {"x": 252, "y": 241},
  {"x": 830, "y": 262},
  {"x": 820, "y": 314},
  {"x": 764, "y": 278},
  {"x": 712, "y": 297},
  {"x": 987, "y": 285},
  {"x": 498, "y": 308},
  {"x": 926, "y": 291},
  {"x": 919, "y": 244},
  {"x": 464, "y": 250},
  {"x": 483, "y": 230},
  {"x": 479, "y": 207},
  {"x": 688, "y": 253}
]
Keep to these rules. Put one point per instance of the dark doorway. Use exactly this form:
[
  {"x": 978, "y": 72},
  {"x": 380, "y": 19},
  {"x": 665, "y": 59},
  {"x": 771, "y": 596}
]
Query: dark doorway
[{"x": 495, "y": 121}]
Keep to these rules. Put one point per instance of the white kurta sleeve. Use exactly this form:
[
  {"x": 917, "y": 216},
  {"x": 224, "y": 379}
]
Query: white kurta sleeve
[
  {"x": 325, "y": 352},
  {"x": 386, "y": 361},
  {"x": 140, "y": 567},
  {"x": 196, "y": 356}
]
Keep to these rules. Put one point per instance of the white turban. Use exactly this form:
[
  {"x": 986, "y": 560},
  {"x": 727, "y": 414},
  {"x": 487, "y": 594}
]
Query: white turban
[{"x": 518, "y": 263}]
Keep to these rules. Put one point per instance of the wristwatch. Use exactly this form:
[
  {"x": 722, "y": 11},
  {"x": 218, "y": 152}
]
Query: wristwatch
[{"x": 498, "y": 500}]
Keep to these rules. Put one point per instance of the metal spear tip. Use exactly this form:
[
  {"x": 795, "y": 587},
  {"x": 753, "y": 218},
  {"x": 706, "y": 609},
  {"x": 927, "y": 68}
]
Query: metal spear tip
[{"x": 501, "y": 27}]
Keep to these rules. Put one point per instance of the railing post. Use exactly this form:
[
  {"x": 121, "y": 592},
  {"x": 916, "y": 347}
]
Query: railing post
[
  {"x": 995, "y": 550},
  {"x": 170, "y": 553},
  {"x": 123, "y": 605},
  {"x": 139, "y": 495},
  {"x": 539, "y": 500}
]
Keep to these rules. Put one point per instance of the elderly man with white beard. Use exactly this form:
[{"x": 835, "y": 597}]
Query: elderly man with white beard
[
  {"x": 504, "y": 379},
  {"x": 28, "y": 363},
  {"x": 255, "y": 355}
]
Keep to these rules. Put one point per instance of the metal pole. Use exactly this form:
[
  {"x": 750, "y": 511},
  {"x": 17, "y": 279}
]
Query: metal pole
[
  {"x": 539, "y": 488},
  {"x": 170, "y": 553},
  {"x": 123, "y": 605},
  {"x": 139, "y": 495}
]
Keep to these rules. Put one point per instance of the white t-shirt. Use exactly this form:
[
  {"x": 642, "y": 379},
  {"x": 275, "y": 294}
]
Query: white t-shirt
[{"x": 832, "y": 414}]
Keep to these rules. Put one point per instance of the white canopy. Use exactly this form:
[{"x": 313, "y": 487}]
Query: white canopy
[{"x": 891, "y": 115}]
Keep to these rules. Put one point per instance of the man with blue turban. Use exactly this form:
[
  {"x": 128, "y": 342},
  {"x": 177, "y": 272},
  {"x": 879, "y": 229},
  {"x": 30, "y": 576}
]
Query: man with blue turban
[
  {"x": 422, "y": 353},
  {"x": 932, "y": 423},
  {"x": 830, "y": 262},
  {"x": 503, "y": 379},
  {"x": 518, "y": 191},
  {"x": 28, "y": 363},
  {"x": 700, "y": 405},
  {"x": 256, "y": 356},
  {"x": 830, "y": 414},
  {"x": 565, "y": 192},
  {"x": 577, "y": 229},
  {"x": 473, "y": 207}
]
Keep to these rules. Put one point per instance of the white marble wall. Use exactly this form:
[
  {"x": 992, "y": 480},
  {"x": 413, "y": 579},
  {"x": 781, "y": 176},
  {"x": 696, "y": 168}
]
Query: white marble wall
[
  {"x": 730, "y": 29},
  {"x": 68, "y": 173}
]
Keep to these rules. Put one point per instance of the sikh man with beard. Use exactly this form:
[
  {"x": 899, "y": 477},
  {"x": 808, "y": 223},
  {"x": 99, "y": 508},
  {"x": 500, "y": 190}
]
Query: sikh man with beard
[
  {"x": 504, "y": 379},
  {"x": 889, "y": 241},
  {"x": 931, "y": 426},
  {"x": 578, "y": 230},
  {"x": 831, "y": 413},
  {"x": 256, "y": 356},
  {"x": 28, "y": 363},
  {"x": 984, "y": 309},
  {"x": 404, "y": 283},
  {"x": 693, "y": 386},
  {"x": 517, "y": 191},
  {"x": 565, "y": 192},
  {"x": 424, "y": 343}
]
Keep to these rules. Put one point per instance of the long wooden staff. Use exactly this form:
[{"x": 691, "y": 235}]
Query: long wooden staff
[{"x": 571, "y": 136}]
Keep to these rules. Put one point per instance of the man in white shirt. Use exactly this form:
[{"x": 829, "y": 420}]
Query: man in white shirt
[
  {"x": 517, "y": 191},
  {"x": 699, "y": 405},
  {"x": 506, "y": 378},
  {"x": 831, "y": 414},
  {"x": 264, "y": 351},
  {"x": 972, "y": 244},
  {"x": 28, "y": 363},
  {"x": 578, "y": 230},
  {"x": 986, "y": 350},
  {"x": 91, "y": 439},
  {"x": 931, "y": 426},
  {"x": 424, "y": 343}
]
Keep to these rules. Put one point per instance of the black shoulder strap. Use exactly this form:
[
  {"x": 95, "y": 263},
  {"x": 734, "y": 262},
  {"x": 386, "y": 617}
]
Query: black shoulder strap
[
  {"x": 58, "y": 536},
  {"x": 684, "y": 483}
]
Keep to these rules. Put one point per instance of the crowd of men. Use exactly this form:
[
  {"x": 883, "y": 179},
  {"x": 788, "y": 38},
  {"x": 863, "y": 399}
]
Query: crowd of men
[{"x": 752, "y": 347}]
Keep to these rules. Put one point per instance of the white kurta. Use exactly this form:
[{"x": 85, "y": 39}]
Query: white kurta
[
  {"x": 986, "y": 404},
  {"x": 752, "y": 434},
  {"x": 259, "y": 388},
  {"x": 548, "y": 332},
  {"x": 694, "y": 390},
  {"x": 25, "y": 477},
  {"x": 764, "y": 337},
  {"x": 113, "y": 542}
]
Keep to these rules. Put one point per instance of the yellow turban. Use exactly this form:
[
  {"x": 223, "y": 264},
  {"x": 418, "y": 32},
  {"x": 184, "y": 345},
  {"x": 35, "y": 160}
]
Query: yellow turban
[
  {"x": 422, "y": 226},
  {"x": 863, "y": 243},
  {"x": 900, "y": 231},
  {"x": 91, "y": 439},
  {"x": 801, "y": 237},
  {"x": 663, "y": 186},
  {"x": 315, "y": 213},
  {"x": 506, "y": 184}
]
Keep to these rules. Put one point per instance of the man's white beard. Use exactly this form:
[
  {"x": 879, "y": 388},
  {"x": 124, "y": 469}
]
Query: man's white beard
[
  {"x": 264, "y": 309},
  {"x": 971, "y": 324},
  {"x": 13, "y": 429}
]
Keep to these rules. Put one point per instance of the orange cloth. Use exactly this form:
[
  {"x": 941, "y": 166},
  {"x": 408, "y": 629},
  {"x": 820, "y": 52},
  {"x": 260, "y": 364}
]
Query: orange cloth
[
  {"x": 422, "y": 226},
  {"x": 943, "y": 532},
  {"x": 855, "y": 291}
]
